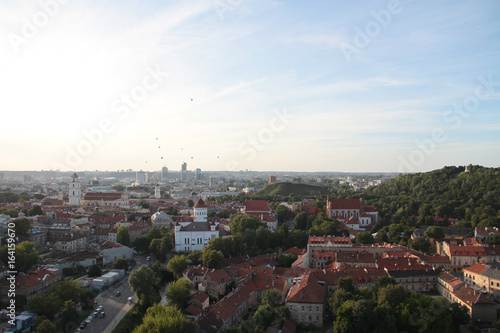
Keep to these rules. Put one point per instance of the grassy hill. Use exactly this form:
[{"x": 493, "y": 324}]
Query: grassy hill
[
  {"x": 285, "y": 189},
  {"x": 449, "y": 192}
]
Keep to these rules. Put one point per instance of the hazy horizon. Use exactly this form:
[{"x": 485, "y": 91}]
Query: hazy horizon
[{"x": 384, "y": 86}]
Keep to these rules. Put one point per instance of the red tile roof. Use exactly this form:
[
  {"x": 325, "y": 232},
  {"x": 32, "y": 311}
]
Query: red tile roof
[
  {"x": 469, "y": 296},
  {"x": 105, "y": 196},
  {"x": 477, "y": 268},
  {"x": 307, "y": 290},
  {"x": 257, "y": 206},
  {"x": 346, "y": 203},
  {"x": 200, "y": 204}
]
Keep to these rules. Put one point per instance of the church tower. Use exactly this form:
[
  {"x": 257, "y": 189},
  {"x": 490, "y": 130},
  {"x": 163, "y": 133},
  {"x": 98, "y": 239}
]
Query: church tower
[
  {"x": 75, "y": 192},
  {"x": 157, "y": 191},
  {"x": 200, "y": 211}
]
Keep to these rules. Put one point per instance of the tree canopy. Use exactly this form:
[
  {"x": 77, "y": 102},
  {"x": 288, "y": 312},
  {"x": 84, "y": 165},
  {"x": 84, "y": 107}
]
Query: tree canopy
[
  {"x": 145, "y": 282},
  {"x": 167, "y": 319}
]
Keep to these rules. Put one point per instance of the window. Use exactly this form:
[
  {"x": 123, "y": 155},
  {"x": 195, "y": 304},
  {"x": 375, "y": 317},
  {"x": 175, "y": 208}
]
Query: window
[
  {"x": 310, "y": 308},
  {"x": 317, "y": 309},
  {"x": 303, "y": 308}
]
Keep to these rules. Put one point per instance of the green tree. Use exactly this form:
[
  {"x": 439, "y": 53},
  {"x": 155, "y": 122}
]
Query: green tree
[
  {"x": 179, "y": 293},
  {"x": 95, "y": 270},
  {"x": 35, "y": 210},
  {"x": 22, "y": 227},
  {"x": 121, "y": 263},
  {"x": 166, "y": 319},
  {"x": 382, "y": 282},
  {"x": 301, "y": 221},
  {"x": 345, "y": 321},
  {"x": 391, "y": 295},
  {"x": 141, "y": 244},
  {"x": 364, "y": 238},
  {"x": 347, "y": 284},
  {"x": 283, "y": 213},
  {"x": 239, "y": 223},
  {"x": 434, "y": 232},
  {"x": 272, "y": 297},
  {"x": 190, "y": 203},
  {"x": 45, "y": 304},
  {"x": 420, "y": 244},
  {"x": 68, "y": 313},
  {"x": 213, "y": 259},
  {"x": 177, "y": 265},
  {"x": 459, "y": 315},
  {"x": 26, "y": 255},
  {"x": 159, "y": 248},
  {"x": 286, "y": 260},
  {"x": 123, "y": 235},
  {"x": 224, "y": 213},
  {"x": 144, "y": 281},
  {"x": 195, "y": 257},
  {"x": 495, "y": 240},
  {"x": 67, "y": 290},
  {"x": 46, "y": 326},
  {"x": 264, "y": 315}
]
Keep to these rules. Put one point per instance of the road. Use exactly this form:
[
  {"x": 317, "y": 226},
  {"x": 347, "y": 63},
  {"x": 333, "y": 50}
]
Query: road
[{"x": 115, "y": 307}]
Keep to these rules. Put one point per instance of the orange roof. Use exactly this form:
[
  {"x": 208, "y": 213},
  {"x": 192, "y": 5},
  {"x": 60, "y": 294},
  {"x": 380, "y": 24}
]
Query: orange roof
[
  {"x": 477, "y": 268},
  {"x": 200, "y": 204},
  {"x": 346, "y": 203},
  {"x": 257, "y": 206},
  {"x": 105, "y": 196},
  {"x": 307, "y": 290}
]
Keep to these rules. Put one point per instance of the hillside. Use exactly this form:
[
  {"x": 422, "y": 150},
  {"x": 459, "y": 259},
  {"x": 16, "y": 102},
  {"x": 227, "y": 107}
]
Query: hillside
[
  {"x": 286, "y": 189},
  {"x": 447, "y": 192}
]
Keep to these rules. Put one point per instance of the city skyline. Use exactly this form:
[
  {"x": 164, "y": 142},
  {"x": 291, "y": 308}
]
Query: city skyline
[{"x": 222, "y": 85}]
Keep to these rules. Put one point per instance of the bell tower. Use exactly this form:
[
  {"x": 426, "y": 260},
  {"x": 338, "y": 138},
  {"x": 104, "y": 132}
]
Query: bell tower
[{"x": 75, "y": 192}]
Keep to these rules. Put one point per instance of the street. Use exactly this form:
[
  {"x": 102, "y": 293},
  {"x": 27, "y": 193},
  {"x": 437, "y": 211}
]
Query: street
[{"x": 115, "y": 307}]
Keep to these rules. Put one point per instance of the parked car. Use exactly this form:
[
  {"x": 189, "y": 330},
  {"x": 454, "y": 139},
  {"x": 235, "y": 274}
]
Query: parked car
[
  {"x": 102, "y": 314},
  {"x": 148, "y": 258},
  {"x": 118, "y": 293},
  {"x": 100, "y": 308},
  {"x": 83, "y": 324},
  {"x": 130, "y": 299}
]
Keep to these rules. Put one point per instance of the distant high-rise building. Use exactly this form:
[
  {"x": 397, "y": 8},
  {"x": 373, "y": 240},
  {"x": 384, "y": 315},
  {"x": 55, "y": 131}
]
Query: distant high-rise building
[
  {"x": 75, "y": 192},
  {"x": 183, "y": 171},
  {"x": 198, "y": 174},
  {"x": 141, "y": 177},
  {"x": 1, "y": 177},
  {"x": 164, "y": 172},
  {"x": 272, "y": 179},
  {"x": 210, "y": 182}
]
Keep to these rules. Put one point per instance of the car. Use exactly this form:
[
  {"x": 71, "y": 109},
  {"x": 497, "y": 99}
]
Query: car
[
  {"x": 148, "y": 258},
  {"x": 130, "y": 299},
  {"x": 88, "y": 321},
  {"x": 100, "y": 308},
  {"x": 118, "y": 293},
  {"x": 83, "y": 324},
  {"x": 102, "y": 314}
]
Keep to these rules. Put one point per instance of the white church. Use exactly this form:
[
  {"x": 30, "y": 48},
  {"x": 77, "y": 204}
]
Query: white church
[{"x": 195, "y": 234}]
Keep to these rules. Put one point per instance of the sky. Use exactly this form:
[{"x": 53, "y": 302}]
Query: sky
[{"x": 223, "y": 85}]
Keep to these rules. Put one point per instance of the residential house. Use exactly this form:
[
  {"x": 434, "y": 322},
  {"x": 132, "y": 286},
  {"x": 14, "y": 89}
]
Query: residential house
[
  {"x": 306, "y": 301},
  {"x": 477, "y": 304},
  {"x": 261, "y": 210}
]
